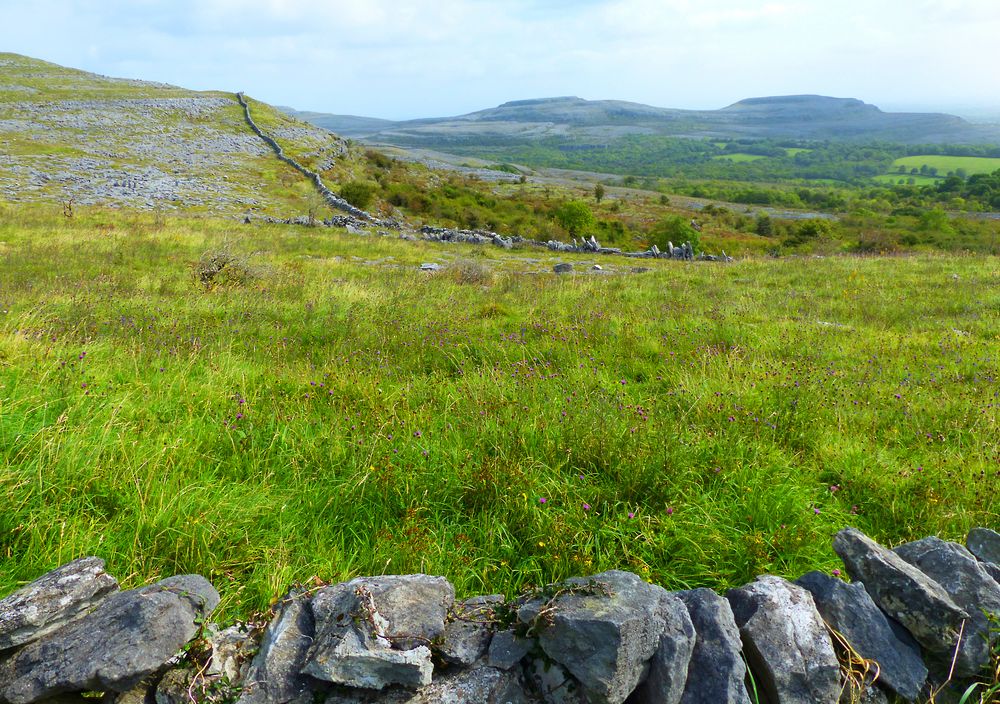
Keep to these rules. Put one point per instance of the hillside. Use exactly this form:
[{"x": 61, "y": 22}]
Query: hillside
[
  {"x": 69, "y": 135},
  {"x": 788, "y": 117}
]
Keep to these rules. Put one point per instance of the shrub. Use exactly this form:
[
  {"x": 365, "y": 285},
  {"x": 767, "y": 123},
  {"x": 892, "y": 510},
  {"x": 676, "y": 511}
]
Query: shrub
[
  {"x": 575, "y": 217},
  {"x": 676, "y": 229},
  {"x": 358, "y": 193}
]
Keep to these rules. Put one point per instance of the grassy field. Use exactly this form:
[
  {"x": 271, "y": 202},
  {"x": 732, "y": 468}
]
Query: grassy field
[
  {"x": 325, "y": 408},
  {"x": 944, "y": 164}
]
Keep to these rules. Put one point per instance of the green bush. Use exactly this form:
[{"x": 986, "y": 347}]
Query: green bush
[
  {"x": 575, "y": 217},
  {"x": 673, "y": 228},
  {"x": 358, "y": 193}
]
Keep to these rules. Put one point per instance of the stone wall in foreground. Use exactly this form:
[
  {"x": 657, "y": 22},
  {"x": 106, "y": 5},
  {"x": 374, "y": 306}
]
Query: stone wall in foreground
[{"x": 914, "y": 623}]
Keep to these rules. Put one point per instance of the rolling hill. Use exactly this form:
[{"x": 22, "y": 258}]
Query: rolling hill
[{"x": 807, "y": 117}]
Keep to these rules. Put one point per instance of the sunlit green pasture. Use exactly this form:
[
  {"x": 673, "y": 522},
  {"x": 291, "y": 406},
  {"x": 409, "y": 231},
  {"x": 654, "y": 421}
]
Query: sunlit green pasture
[
  {"x": 325, "y": 408},
  {"x": 944, "y": 164}
]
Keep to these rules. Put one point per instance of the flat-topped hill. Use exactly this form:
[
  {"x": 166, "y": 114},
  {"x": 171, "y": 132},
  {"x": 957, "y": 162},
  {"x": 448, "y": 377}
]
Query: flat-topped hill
[{"x": 788, "y": 117}]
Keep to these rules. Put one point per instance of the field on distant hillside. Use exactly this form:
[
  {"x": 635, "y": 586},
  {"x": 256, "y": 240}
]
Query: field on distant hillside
[
  {"x": 322, "y": 407},
  {"x": 945, "y": 164}
]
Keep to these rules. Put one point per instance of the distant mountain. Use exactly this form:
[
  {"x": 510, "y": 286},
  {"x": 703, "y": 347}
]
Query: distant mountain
[{"x": 811, "y": 117}]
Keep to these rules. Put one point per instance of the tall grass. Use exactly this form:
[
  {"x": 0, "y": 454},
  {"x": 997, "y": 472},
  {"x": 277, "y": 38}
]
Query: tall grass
[{"x": 337, "y": 412}]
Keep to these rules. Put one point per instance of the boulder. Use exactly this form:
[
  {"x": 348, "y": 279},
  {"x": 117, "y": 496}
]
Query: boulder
[
  {"x": 129, "y": 636},
  {"x": 563, "y": 268},
  {"x": 605, "y": 629},
  {"x": 716, "y": 672},
  {"x": 985, "y": 545},
  {"x": 275, "y": 673},
  {"x": 902, "y": 591},
  {"x": 786, "y": 643},
  {"x": 851, "y": 612},
  {"x": 969, "y": 586},
  {"x": 63, "y": 595},
  {"x": 469, "y": 629},
  {"x": 373, "y": 632}
]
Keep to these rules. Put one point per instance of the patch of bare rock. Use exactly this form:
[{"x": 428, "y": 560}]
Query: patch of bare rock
[{"x": 917, "y": 614}]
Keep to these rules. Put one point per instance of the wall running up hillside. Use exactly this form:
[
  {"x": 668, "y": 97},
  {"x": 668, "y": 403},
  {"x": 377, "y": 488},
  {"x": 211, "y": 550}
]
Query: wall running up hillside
[
  {"x": 332, "y": 199},
  {"x": 914, "y": 622}
]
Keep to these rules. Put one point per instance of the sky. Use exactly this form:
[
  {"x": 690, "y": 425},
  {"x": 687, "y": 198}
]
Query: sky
[{"x": 401, "y": 59}]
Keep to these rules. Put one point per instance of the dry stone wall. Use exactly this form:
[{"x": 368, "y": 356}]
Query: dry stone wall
[
  {"x": 915, "y": 623},
  {"x": 329, "y": 196}
]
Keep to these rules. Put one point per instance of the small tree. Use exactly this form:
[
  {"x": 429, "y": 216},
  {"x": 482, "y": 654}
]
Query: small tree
[
  {"x": 575, "y": 217},
  {"x": 599, "y": 192},
  {"x": 764, "y": 227}
]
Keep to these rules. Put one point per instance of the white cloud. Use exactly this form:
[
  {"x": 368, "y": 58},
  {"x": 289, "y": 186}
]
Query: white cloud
[{"x": 399, "y": 58}]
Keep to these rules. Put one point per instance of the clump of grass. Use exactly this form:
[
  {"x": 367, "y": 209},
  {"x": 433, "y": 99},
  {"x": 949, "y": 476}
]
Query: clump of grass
[
  {"x": 224, "y": 267},
  {"x": 469, "y": 271}
]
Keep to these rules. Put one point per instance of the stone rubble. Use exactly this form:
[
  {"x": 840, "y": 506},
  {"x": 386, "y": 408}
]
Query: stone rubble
[{"x": 607, "y": 639}]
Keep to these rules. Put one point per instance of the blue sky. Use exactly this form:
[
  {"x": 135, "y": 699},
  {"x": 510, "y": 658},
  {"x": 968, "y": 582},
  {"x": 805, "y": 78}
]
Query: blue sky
[{"x": 401, "y": 58}]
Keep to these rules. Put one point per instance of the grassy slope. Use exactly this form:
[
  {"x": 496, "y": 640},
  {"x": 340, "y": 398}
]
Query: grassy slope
[{"x": 332, "y": 416}]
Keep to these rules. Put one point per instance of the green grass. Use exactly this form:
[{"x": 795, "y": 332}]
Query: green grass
[
  {"x": 944, "y": 164},
  {"x": 332, "y": 411}
]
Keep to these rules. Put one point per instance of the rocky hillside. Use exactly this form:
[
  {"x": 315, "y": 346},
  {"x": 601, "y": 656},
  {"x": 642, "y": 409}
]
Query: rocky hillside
[
  {"x": 792, "y": 117},
  {"x": 68, "y": 135}
]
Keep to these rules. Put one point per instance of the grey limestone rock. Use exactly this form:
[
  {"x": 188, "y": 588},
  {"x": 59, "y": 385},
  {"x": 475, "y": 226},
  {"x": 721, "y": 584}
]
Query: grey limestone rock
[
  {"x": 984, "y": 544},
  {"x": 969, "y": 586},
  {"x": 716, "y": 672},
  {"x": 469, "y": 630},
  {"x": 430, "y": 266},
  {"x": 374, "y": 632},
  {"x": 483, "y": 685},
  {"x": 902, "y": 591},
  {"x": 668, "y": 668},
  {"x": 507, "y": 650},
  {"x": 554, "y": 684},
  {"x": 786, "y": 643},
  {"x": 563, "y": 268},
  {"x": 355, "y": 661},
  {"x": 129, "y": 636},
  {"x": 233, "y": 650},
  {"x": 274, "y": 676},
  {"x": 850, "y": 610},
  {"x": 63, "y": 595},
  {"x": 605, "y": 629}
]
